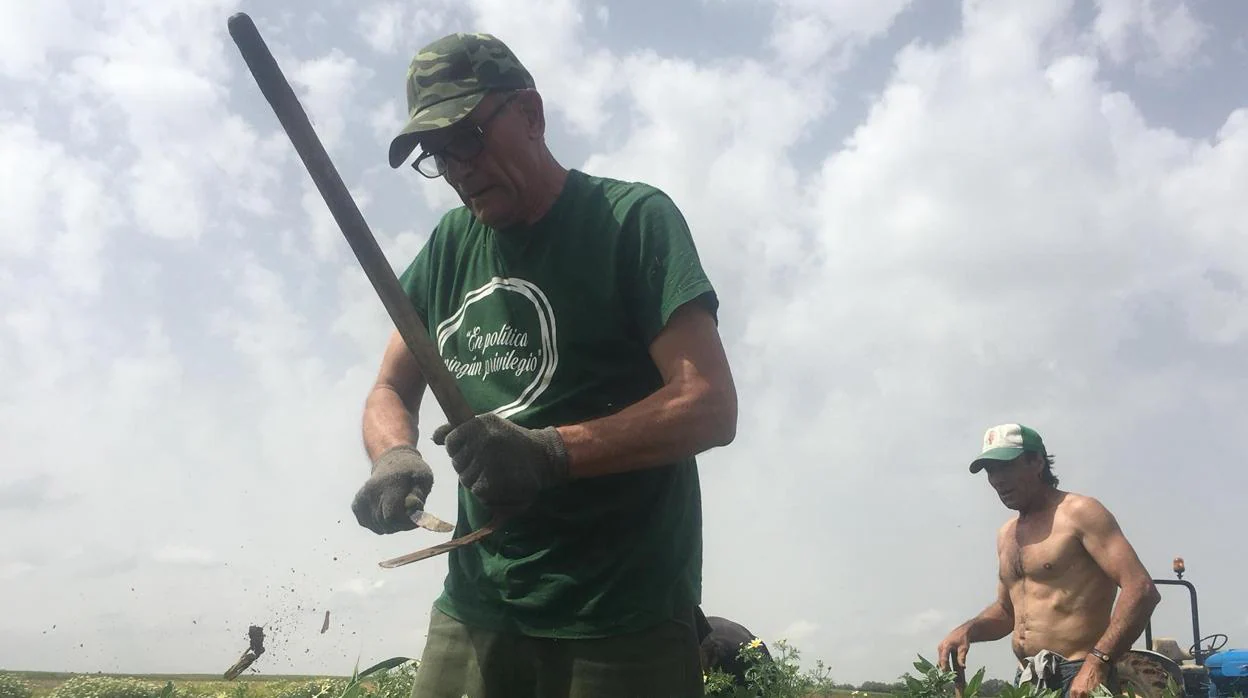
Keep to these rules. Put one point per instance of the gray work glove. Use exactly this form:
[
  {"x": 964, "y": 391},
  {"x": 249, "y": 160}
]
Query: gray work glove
[
  {"x": 398, "y": 488},
  {"x": 502, "y": 463}
]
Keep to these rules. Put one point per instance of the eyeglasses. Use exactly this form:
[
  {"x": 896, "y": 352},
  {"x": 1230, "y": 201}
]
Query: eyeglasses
[{"x": 465, "y": 145}]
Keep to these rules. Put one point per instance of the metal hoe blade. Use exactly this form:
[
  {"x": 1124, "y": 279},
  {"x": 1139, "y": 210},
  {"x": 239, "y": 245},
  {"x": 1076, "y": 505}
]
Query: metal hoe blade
[
  {"x": 430, "y": 522},
  {"x": 435, "y": 550}
]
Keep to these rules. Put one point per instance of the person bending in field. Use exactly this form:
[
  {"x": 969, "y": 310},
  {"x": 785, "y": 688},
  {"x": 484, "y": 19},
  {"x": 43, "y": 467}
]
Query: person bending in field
[
  {"x": 1063, "y": 559},
  {"x": 722, "y": 647}
]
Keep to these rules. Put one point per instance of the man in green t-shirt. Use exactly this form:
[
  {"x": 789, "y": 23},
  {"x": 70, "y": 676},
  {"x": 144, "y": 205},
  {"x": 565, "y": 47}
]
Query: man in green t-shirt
[{"x": 574, "y": 312}]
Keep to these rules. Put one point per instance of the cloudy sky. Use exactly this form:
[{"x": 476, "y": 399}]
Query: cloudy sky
[{"x": 923, "y": 218}]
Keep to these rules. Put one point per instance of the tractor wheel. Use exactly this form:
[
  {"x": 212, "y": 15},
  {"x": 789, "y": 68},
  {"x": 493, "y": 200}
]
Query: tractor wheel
[{"x": 1148, "y": 675}]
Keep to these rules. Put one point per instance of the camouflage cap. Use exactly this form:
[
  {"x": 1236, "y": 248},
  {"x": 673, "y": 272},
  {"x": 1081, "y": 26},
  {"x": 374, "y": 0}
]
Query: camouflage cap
[{"x": 448, "y": 78}]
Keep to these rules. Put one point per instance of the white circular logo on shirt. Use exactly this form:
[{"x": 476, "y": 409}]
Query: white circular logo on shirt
[{"x": 498, "y": 348}]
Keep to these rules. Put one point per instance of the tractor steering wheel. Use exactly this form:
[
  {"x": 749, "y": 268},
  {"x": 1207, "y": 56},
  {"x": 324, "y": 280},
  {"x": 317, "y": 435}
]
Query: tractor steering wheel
[{"x": 1212, "y": 646}]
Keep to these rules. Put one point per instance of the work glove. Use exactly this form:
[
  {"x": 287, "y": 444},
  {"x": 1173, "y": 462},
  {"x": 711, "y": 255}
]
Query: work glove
[
  {"x": 398, "y": 487},
  {"x": 503, "y": 464}
]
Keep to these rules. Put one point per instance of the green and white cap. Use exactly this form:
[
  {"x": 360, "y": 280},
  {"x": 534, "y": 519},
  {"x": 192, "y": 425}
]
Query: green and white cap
[{"x": 1007, "y": 442}]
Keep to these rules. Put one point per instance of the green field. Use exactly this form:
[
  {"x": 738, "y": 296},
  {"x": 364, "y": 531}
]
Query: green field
[
  {"x": 779, "y": 678},
  {"x": 247, "y": 686},
  {"x": 43, "y": 683}
]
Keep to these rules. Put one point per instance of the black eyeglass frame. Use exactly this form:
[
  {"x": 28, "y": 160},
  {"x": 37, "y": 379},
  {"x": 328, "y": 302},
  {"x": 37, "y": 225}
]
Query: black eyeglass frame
[{"x": 468, "y": 143}]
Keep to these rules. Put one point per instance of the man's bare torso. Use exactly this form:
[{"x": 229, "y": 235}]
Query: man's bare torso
[{"x": 1062, "y": 600}]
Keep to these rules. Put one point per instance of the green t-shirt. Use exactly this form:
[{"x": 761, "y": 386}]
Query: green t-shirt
[{"x": 550, "y": 324}]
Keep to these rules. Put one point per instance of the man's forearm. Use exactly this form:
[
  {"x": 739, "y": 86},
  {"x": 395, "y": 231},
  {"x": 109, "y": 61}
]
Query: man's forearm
[
  {"x": 1131, "y": 613},
  {"x": 992, "y": 623},
  {"x": 674, "y": 422},
  {"x": 387, "y": 422}
]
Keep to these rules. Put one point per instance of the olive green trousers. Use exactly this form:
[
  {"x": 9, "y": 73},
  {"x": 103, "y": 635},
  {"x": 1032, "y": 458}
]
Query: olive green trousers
[{"x": 461, "y": 661}]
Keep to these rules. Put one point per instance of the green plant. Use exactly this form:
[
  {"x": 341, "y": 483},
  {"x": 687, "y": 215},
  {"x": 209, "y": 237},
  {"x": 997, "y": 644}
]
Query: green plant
[
  {"x": 386, "y": 681},
  {"x": 992, "y": 688},
  {"x": 391, "y": 680},
  {"x": 1028, "y": 690},
  {"x": 779, "y": 677},
  {"x": 319, "y": 688},
  {"x": 717, "y": 683},
  {"x": 934, "y": 682},
  {"x": 14, "y": 687}
]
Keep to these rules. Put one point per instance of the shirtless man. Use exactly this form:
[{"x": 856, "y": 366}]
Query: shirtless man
[{"x": 1062, "y": 561}]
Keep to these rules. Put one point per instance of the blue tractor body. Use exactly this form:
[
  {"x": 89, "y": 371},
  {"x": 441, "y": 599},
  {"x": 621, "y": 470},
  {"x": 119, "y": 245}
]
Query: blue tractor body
[{"x": 1228, "y": 673}]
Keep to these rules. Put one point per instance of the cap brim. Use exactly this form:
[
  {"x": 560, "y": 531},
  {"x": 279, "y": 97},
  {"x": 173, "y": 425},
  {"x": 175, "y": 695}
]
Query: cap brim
[
  {"x": 437, "y": 116},
  {"x": 996, "y": 454}
]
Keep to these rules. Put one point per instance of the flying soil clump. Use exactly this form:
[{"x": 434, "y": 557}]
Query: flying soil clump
[{"x": 256, "y": 635}]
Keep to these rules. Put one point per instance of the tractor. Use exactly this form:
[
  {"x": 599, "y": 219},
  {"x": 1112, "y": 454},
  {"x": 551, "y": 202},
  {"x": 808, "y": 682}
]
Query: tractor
[{"x": 1199, "y": 671}]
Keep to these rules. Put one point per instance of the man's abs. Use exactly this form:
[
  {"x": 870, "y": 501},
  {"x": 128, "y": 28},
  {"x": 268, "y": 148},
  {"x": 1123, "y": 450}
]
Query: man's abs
[{"x": 1062, "y": 600}]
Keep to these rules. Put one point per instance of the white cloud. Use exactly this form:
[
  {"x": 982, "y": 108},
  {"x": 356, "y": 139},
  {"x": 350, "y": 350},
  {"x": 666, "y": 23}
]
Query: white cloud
[
  {"x": 401, "y": 28},
  {"x": 927, "y": 621},
  {"x": 13, "y": 570},
  {"x": 327, "y": 88},
  {"x": 166, "y": 197},
  {"x": 155, "y": 73},
  {"x": 265, "y": 328},
  {"x": 53, "y": 205},
  {"x": 745, "y": 198},
  {"x": 139, "y": 379},
  {"x": 798, "y": 631},
  {"x": 1164, "y": 34},
  {"x": 576, "y": 79},
  {"x": 30, "y": 31},
  {"x": 322, "y": 230},
  {"x": 386, "y": 119},
  {"x": 381, "y": 25},
  {"x": 363, "y": 587},
  {"x": 184, "y": 555},
  {"x": 811, "y": 34}
]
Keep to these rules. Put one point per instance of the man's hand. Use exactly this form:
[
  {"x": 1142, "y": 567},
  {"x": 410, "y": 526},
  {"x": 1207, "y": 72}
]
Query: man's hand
[
  {"x": 502, "y": 463},
  {"x": 957, "y": 641},
  {"x": 398, "y": 487},
  {"x": 1093, "y": 673}
]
